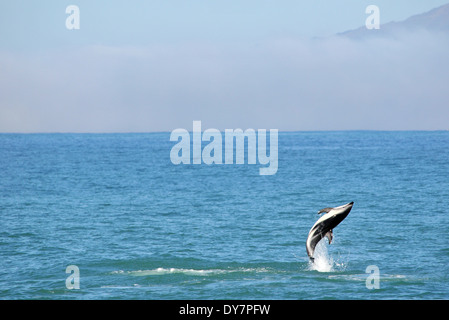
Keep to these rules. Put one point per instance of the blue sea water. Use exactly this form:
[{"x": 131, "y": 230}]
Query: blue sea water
[{"x": 139, "y": 227}]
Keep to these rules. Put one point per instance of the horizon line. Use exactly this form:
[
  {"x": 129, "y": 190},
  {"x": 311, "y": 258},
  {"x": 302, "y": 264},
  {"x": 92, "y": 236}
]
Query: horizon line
[{"x": 191, "y": 131}]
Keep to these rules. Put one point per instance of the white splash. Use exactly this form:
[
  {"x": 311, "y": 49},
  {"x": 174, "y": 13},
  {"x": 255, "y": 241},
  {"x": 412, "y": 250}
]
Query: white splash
[{"x": 323, "y": 261}]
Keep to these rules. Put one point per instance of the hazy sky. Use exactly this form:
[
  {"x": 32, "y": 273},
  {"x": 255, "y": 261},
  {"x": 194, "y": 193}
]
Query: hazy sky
[{"x": 158, "y": 65}]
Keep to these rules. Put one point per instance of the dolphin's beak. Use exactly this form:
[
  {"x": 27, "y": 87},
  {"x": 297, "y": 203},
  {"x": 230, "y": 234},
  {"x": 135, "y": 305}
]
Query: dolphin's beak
[{"x": 347, "y": 207}]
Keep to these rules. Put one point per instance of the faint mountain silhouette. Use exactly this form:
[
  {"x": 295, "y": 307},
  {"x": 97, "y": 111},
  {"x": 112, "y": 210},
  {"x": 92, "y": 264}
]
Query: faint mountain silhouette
[{"x": 435, "y": 20}]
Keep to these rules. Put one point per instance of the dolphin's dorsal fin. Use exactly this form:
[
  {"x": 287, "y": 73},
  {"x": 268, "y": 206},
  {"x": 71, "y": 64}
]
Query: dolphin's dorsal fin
[
  {"x": 325, "y": 210},
  {"x": 329, "y": 236}
]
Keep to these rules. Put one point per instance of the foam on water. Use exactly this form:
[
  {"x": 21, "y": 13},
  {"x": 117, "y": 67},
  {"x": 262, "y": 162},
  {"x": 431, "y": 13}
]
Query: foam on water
[
  {"x": 192, "y": 272},
  {"x": 163, "y": 271}
]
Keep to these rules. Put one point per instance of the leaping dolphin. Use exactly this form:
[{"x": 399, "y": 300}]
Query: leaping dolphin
[{"x": 324, "y": 226}]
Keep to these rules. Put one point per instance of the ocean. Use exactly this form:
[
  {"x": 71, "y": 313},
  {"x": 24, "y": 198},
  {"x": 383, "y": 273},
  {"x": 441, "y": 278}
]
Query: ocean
[{"x": 109, "y": 216}]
